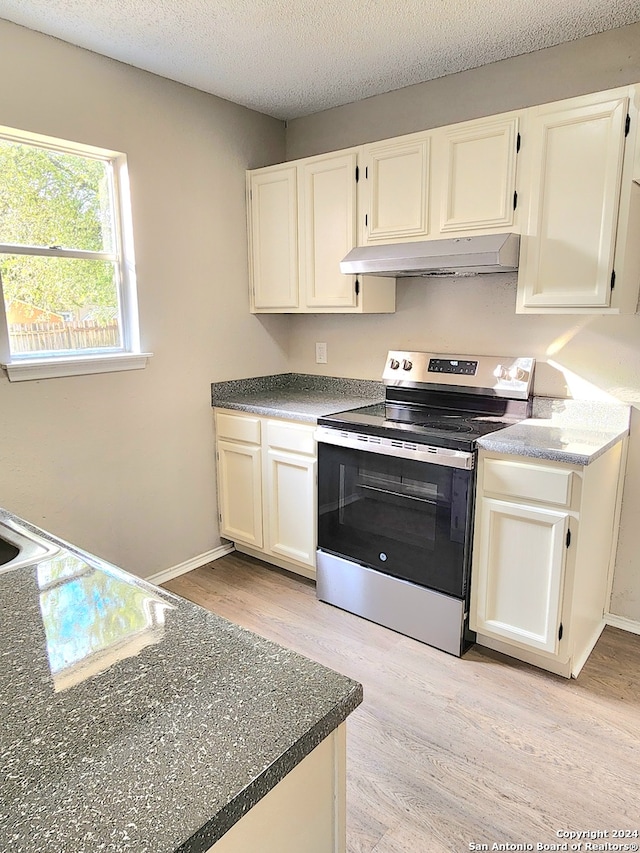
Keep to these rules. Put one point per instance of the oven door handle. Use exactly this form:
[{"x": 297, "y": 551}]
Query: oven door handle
[
  {"x": 395, "y": 447},
  {"x": 403, "y": 495}
]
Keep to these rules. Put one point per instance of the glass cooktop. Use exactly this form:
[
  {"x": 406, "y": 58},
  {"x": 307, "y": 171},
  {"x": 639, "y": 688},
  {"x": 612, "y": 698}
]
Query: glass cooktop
[{"x": 439, "y": 427}]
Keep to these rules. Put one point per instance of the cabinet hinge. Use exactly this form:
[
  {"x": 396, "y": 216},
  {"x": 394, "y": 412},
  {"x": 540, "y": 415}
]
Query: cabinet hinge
[
  {"x": 627, "y": 125},
  {"x": 560, "y": 631},
  {"x": 250, "y": 195},
  {"x": 366, "y": 219},
  {"x": 515, "y": 199},
  {"x": 357, "y": 174},
  {"x": 568, "y": 538},
  {"x": 220, "y": 517},
  {"x": 366, "y": 173},
  {"x": 357, "y": 287},
  {"x": 518, "y": 142},
  {"x": 613, "y": 279}
]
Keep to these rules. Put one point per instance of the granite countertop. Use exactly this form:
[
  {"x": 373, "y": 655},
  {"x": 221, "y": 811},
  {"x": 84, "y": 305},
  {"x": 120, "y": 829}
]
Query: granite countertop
[
  {"x": 133, "y": 720},
  {"x": 296, "y": 396},
  {"x": 572, "y": 431}
]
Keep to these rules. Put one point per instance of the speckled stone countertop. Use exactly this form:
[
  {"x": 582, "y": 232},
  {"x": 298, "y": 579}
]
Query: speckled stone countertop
[
  {"x": 571, "y": 431},
  {"x": 133, "y": 720},
  {"x": 295, "y": 396},
  {"x": 562, "y": 430}
]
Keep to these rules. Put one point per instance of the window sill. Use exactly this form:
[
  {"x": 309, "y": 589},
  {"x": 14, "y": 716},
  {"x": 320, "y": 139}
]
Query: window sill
[{"x": 51, "y": 368}]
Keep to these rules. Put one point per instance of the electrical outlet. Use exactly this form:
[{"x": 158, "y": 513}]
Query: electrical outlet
[{"x": 321, "y": 353}]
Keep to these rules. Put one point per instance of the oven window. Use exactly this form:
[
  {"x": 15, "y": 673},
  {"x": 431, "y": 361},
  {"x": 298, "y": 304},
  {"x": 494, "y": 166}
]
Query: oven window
[
  {"x": 384, "y": 503},
  {"x": 405, "y": 518}
]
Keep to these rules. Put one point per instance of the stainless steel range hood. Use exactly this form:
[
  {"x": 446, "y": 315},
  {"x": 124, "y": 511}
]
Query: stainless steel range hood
[{"x": 455, "y": 256}]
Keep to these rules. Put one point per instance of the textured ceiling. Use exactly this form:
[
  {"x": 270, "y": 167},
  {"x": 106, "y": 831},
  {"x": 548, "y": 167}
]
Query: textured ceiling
[{"x": 289, "y": 58}]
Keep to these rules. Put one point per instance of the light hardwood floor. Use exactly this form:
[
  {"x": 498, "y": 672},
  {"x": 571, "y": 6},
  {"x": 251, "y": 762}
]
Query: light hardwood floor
[{"x": 445, "y": 753}]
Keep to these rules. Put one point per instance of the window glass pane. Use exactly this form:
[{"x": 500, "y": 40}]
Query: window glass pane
[
  {"x": 60, "y": 304},
  {"x": 53, "y": 198}
]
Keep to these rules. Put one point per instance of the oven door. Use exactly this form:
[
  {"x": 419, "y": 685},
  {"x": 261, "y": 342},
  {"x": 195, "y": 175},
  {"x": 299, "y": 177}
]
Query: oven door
[{"x": 406, "y": 518}]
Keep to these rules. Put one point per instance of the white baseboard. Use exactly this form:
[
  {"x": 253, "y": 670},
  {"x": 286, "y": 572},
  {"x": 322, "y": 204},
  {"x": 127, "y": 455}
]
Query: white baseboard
[
  {"x": 189, "y": 565},
  {"x": 622, "y": 622}
]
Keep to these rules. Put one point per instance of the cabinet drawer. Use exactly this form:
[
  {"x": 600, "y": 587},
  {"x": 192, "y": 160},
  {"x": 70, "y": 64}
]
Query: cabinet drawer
[
  {"x": 238, "y": 427},
  {"x": 532, "y": 482},
  {"x": 293, "y": 437}
]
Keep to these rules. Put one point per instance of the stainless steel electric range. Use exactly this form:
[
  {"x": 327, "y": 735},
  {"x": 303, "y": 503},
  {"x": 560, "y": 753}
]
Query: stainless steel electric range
[{"x": 396, "y": 487}]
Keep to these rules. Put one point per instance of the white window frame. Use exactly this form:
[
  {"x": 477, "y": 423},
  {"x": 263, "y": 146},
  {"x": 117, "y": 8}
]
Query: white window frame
[{"x": 130, "y": 355}]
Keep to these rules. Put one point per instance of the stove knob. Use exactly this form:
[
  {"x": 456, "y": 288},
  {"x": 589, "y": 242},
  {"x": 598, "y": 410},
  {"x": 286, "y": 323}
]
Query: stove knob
[
  {"x": 394, "y": 364},
  {"x": 517, "y": 373},
  {"x": 501, "y": 372},
  {"x": 406, "y": 364}
]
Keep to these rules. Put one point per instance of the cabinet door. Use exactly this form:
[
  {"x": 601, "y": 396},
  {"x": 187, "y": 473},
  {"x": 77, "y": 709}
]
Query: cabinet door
[
  {"x": 327, "y": 229},
  {"x": 397, "y": 185},
  {"x": 479, "y": 175},
  {"x": 576, "y": 166},
  {"x": 518, "y": 573},
  {"x": 273, "y": 238},
  {"x": 291, "y": 496},
  {"x": 240, "y": 493}
]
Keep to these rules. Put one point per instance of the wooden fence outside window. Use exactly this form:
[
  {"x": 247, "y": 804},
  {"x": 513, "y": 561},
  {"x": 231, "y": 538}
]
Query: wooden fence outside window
[{"x": 47, "y": 337}]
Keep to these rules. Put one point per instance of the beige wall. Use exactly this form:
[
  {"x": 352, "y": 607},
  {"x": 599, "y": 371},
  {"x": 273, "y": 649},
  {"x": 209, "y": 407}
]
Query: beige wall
[
  {"x": 593, "y": 356},
  {"x": 122, "y": 463}
]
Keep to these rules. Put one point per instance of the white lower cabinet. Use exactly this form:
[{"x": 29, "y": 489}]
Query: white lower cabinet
[
  {"x": 519, "y": 591},
  {"x": 290, "y": 488},
  {"x": 545, "y": 535},
  {"x": 239, "y": 468},
  {"x": 306, "y": 811},
  {"x": 267, "y": 488}
]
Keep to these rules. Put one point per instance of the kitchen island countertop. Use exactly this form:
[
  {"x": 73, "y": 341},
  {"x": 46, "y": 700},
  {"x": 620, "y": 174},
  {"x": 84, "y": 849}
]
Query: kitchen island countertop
[{"x": 133, "y": 720}]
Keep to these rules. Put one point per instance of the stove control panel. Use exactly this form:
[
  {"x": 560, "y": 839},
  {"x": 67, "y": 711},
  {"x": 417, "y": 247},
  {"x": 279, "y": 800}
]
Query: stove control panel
[
  {"x": 452, "y": 365},
  {"x": 499, "y": 376}
]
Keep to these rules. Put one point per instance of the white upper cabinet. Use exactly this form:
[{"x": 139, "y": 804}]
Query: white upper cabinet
[
  {"x": 396, "y": 177},
  {"x": 580, "y": 163},
  {"x": 448, "y": 182},
  {"x": 565, "y": 176},
  {"x": 327, "y": 229},
  {"x": 302, "y": 222},
  {"x": 273, "y": 241},
  {"x": 478, "y": 172}
]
